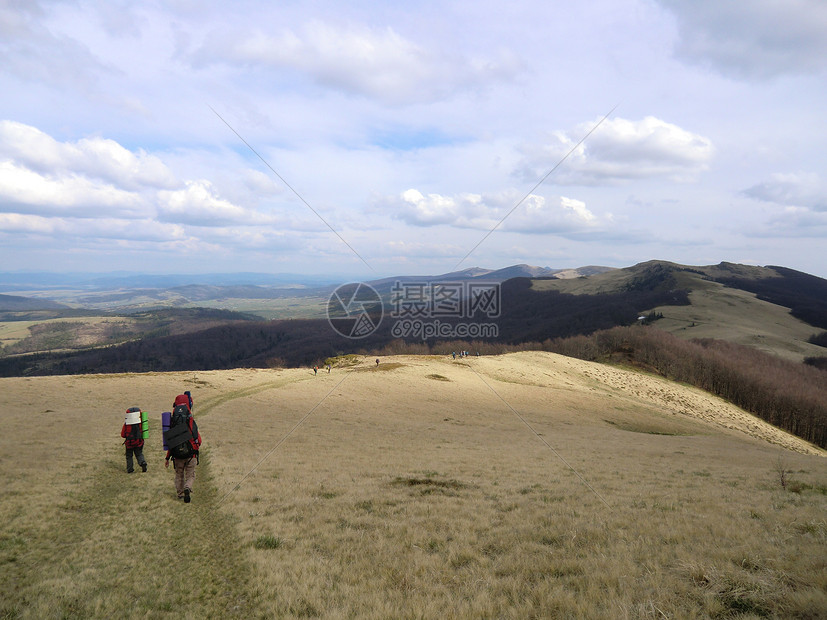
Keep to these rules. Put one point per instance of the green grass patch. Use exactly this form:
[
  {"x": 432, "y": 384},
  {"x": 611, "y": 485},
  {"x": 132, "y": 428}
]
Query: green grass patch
[{"x": 268, "y": 541}]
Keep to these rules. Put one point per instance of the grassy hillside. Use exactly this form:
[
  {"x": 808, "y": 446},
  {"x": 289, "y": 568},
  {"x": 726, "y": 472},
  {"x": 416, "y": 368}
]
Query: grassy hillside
[
  {"x": 717, "y": 311},
  {"x": 45, "y": 332},
  {"x": 16, "y": 303},
  {"x": 738, "y": 303},
  {"x": 526, "y": 485}
]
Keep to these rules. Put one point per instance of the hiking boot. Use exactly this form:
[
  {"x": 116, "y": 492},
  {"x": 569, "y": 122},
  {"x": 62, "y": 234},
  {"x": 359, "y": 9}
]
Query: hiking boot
[
  {"x": 143, "y": 467},
  {"x": 180, "y": 497},
  {"x": 129, "y": 471},
  {"x": 186, "y": 496}
]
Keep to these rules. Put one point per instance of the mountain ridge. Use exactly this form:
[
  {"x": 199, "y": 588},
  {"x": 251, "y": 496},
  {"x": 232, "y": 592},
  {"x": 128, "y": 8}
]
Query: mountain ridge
[{"x": 774, "y": 309}]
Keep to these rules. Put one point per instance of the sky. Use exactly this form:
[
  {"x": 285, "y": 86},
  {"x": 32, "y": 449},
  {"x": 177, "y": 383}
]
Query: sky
[{"x": 371, "y": 139}]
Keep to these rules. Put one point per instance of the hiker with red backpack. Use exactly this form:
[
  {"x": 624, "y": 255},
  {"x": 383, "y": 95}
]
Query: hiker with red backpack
[
  {"x": 184, "y": 441},
  {"x": 132, "y": 434}
]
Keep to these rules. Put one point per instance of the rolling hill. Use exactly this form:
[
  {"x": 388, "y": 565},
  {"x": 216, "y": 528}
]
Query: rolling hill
[
  {"x": 738, "y": 303},
  {"x": 772, "y": 309},
  {"x": 16, "y": 303},
  {"x": 524, "y": 485}
]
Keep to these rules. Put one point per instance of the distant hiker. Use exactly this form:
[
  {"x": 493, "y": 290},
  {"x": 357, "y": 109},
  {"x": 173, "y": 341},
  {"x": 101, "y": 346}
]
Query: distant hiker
[
  {"x": 377, "y": 361},
  {"x": 133, "y": 438},
  {"x": 328, "y": 369},
  {"x": 454, "y": 354},
  {"x": 315, "y": 369},
  {"x": 184, "y": 441}
]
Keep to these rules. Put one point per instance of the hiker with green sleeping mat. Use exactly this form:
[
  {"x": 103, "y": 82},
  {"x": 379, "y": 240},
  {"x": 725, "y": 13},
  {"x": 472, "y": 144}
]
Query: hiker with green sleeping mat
[{"x": 132, "y": 433}]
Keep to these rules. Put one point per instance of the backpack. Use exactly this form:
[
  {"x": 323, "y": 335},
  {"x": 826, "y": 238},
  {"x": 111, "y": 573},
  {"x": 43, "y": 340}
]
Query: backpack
[
  {"x": 134, "y": 436},
  {"x": 182, "y": 434},
  {"x": 132, "y": 431}
]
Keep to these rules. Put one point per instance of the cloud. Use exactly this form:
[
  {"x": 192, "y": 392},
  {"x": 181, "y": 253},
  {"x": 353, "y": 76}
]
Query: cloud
[
  {"x": 794, "y": 189},
  {"x": 752, "y": 39},
  {"x": 100, "y": 228},
  {"x": 377, "y": 63},
  {"x": 93, "y": 158},
  {"x": 94, "y": 188},
  {"x": 463, "y": 210},
  {"x": 28, "y": 191},
  {"x": 535, "y": 215},
  {"x": 32, "y": 53},
  {"x": 619, "y": 150},
  {"x": 198, "y": 203},
  {"x": 792, "y": 222}
]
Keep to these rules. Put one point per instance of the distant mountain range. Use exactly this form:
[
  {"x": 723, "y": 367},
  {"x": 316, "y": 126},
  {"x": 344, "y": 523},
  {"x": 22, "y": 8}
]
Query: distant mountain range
[
  {"x": 770, "y": 308},
  {"x": 15, "y": 281},
  {"x": 497, "y": 275},
  {"x": 122, "y": 291}
]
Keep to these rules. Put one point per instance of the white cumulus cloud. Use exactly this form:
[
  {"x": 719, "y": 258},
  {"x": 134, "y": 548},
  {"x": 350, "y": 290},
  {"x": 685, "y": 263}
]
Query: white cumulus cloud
[
  {"x": 95, "y": 188},
  {"x": 619, "y": 150},
  {"x": 198, "y": 203},
  {"x": 29, "y": 191},
  {"x": 97, "y": 158},
  {"x": 534, "y": 215}
]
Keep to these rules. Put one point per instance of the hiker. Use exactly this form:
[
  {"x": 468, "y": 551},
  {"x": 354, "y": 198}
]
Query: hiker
[
  {"x": 315, "y": 370},
  {"x": 133, "y": 439},
  {"x": 377, "y": 361},
  {"x": 328, "y": 369},
  {"x": 184, "y": 455}
]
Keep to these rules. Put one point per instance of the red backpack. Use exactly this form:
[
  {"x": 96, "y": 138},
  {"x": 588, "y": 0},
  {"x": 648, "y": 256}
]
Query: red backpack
[{"x": 133, "y": 438}]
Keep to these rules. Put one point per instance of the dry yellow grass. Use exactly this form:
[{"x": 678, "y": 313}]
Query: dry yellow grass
[{"x": 413, "y": 490}]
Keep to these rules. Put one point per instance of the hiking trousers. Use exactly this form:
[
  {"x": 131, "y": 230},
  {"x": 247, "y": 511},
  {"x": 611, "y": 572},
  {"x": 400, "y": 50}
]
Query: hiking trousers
[
  {"x": 184, "y": 474},
  {"x": 139, "y": 454}
]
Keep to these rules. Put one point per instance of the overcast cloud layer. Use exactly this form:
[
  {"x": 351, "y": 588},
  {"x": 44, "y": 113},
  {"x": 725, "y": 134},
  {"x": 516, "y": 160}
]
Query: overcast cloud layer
[{"x": 411, "y": 129}]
